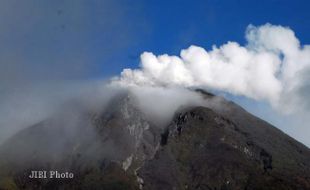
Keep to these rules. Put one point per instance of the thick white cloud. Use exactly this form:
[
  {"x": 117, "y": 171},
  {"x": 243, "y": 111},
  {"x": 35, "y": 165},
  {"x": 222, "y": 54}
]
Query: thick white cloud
[{"x": 273, "y": 67}]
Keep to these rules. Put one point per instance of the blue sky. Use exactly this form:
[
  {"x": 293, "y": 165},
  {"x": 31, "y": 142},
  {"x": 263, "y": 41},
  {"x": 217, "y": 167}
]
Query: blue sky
[
  {"x": 178, "y": 24},
  {"x": 100, "y": 38},
  {"x": 169, "y": 26},
  {"x": 55, "y": 40}
]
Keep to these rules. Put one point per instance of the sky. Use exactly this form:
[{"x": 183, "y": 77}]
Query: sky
[
  {"x": 46, "y": 41},
  {"x": 103, "y": 37}
]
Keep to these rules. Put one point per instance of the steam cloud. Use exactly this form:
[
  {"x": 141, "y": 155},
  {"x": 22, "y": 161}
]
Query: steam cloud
[{"x": 273, "y": 66}]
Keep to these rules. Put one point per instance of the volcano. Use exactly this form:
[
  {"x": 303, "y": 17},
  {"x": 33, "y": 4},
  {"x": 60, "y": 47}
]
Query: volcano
[{"x": 118, "y": 147}]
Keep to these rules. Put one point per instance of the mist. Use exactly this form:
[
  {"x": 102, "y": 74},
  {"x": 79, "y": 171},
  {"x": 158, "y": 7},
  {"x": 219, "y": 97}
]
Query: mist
[
  {"x": 46, "y": 55},
  {"x": 159, "y": 104}
]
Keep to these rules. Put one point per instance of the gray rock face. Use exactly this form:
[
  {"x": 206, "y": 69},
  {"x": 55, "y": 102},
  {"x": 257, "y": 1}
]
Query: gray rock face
[
  {"x": 216, "y": 147},
  {"x": 204, "y": 150}
]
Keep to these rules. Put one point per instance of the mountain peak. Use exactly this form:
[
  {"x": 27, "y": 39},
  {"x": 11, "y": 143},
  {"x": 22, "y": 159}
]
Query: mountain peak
[{"x": 218, "y": 146}]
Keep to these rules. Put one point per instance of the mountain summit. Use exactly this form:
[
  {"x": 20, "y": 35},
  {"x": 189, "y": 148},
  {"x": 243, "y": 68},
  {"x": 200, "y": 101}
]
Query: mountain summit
[{"x": 219, "y": 146}]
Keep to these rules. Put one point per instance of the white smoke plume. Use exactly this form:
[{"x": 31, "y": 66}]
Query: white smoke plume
[{"x": 273, "y": 66}]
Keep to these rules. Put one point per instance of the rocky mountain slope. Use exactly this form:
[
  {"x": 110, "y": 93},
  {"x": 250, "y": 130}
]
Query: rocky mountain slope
[{"x": 220, "y": 146}]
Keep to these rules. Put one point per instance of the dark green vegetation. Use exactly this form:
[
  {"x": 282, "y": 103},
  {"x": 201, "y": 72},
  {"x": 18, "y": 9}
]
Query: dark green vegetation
[{"x": 216, "y": 147}]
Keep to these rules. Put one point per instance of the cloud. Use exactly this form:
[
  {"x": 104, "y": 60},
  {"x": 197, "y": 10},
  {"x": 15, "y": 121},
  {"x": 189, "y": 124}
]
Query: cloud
[
  {"x": 25, "y": 107},
  {"x": 171, "y": 99},
  {"x": 271, "y": 67}
]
